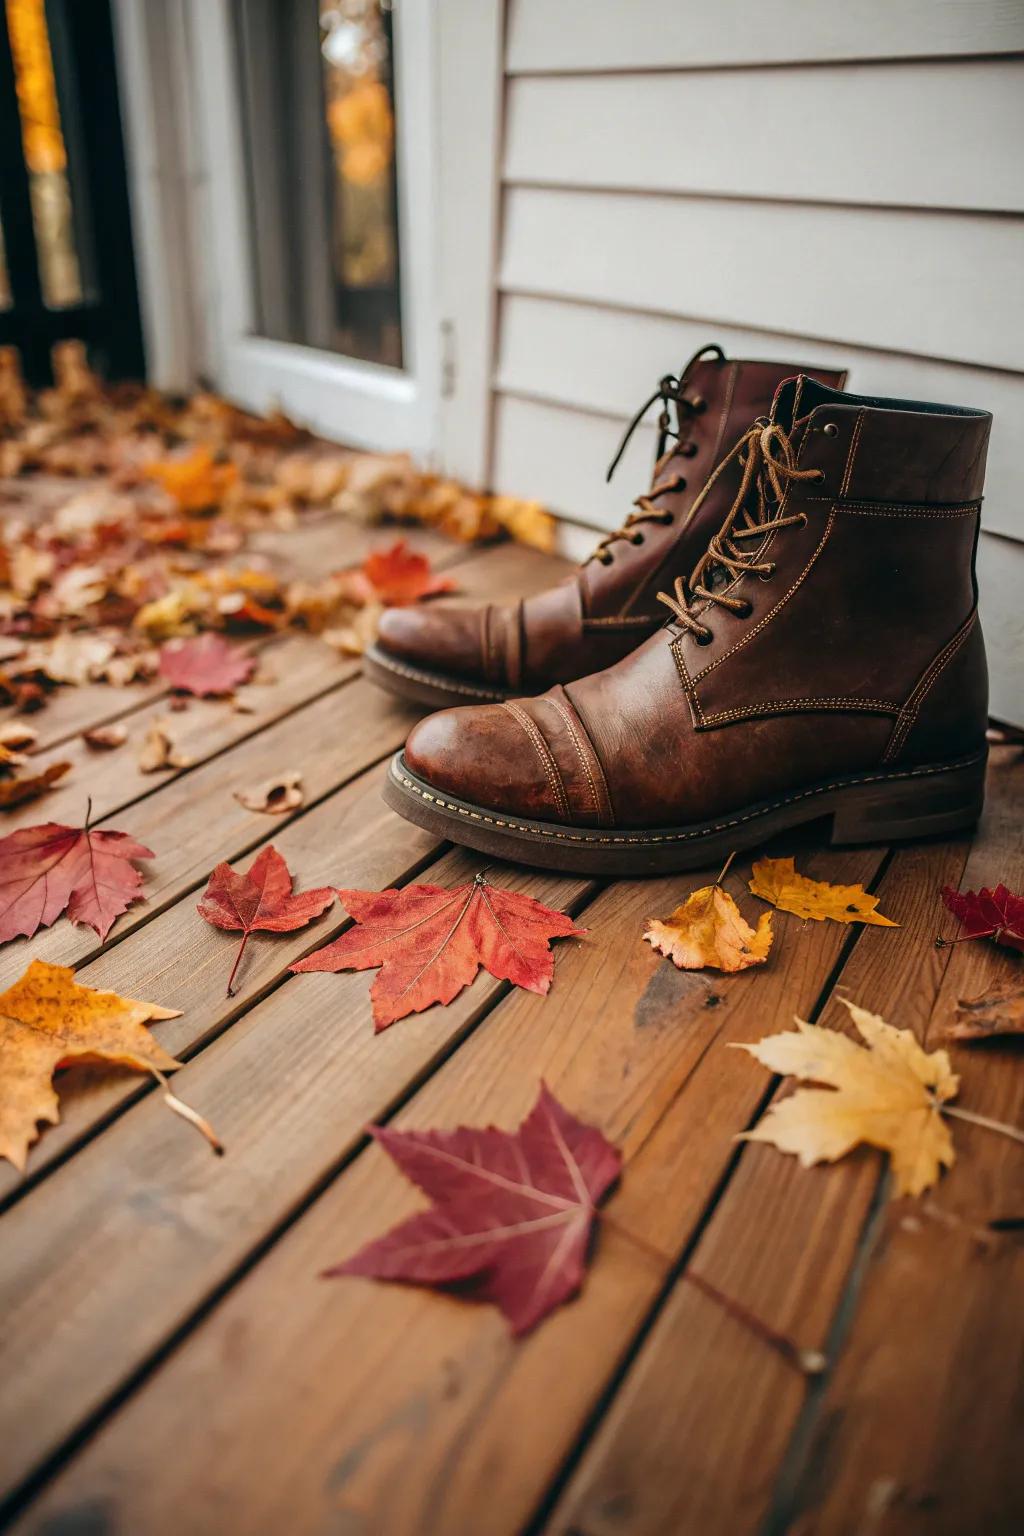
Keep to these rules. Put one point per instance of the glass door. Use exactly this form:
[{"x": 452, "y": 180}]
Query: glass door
[
  {"x": 317, "y": 117},
  {"x": 66, "y": 264}
]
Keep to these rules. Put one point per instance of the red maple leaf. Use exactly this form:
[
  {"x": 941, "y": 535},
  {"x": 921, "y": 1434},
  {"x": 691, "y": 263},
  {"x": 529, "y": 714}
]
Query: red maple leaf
[
  {"x": 986, "y": 914},
  {"x": 261, "y": 898},
  {"x": 48, "y": 868},
  {"x": 431, "y": 942},
  {"x": 205, "y": 665},
  {"x": 512, "y": 1212},
  {"x": 399, "y": 575}
]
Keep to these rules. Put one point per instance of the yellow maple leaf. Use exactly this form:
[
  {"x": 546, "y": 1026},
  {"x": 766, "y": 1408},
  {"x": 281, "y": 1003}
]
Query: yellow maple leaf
[
  {"x": 708, "y": 931},
  {"x": 887, "y": 1093},
  {"x": 777, "y": 881},
  {"x": 46, "y": 1021}
]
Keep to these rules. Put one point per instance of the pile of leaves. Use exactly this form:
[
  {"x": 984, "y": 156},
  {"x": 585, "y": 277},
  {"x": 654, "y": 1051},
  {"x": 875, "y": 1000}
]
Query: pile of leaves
[{"x": 130, "y": 520}]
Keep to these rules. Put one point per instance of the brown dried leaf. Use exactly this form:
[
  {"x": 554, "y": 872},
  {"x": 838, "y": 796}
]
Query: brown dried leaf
[
  {"x": 275, "y": 796},
  {"x": 997, "y": 1012}
]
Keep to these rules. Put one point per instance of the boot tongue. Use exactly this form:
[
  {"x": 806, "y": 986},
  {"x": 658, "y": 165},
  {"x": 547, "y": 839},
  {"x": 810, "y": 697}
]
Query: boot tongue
[{"x": 797, "y": 397}]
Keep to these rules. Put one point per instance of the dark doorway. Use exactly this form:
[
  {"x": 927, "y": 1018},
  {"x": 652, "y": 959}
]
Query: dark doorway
[{"x": 66, "y": 262}]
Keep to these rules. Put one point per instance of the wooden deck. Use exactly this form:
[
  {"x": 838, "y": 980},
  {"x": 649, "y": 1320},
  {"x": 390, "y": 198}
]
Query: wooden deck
[{"x": 170, "y": 1360}]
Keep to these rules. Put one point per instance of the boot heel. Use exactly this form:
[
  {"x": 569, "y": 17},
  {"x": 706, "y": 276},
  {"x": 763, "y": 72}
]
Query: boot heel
[{"x": 942, "y": 801}]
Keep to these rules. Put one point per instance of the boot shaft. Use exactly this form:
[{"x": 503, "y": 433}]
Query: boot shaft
[{"x": 715, "y": 401}]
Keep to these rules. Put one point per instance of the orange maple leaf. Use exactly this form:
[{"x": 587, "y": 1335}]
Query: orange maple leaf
[
  {"x": 196, "y": 482},
  {"x": 46, "y": 1021}
]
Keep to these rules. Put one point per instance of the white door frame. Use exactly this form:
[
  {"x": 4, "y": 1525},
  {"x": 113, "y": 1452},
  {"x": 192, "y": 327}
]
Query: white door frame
[
  {"x": 358, "y": 402},
  {"x": 191, "y": 220}
]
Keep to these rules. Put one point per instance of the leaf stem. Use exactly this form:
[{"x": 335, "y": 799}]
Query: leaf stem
[
  {"x": 186, "y": 1112},
  {"x": 238, "y": 961},
  {"x": 725, "y": 868},
  {"x": 663, "y": 1260},
  {"x": 810, "y": 1362},
  {"x": 983, "y": 1120}
]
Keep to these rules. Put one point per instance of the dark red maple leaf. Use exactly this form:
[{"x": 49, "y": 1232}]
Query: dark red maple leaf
[
  {"x": 48, "y": 868},
  {"x": 260, "y": 898},
  {"x": 205, "y": 665},
  {"x": 512, "y": 1211},
  {"x": 987, "y": 914},
  {"x": 430, "y": 943},
  {"x": 399, "y": 575}
]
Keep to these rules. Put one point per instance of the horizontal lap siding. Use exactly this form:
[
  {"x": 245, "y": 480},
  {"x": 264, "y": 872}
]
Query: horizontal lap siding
[{"x": 860, "y": 202}]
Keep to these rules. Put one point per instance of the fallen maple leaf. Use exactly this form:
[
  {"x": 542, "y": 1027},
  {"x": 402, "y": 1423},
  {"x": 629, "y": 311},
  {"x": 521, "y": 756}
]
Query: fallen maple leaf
[
  {"x": 277, "y": 795},
  {"x": 48, "y": 1020},
  {"x": 708, "y": 930},
  {"x": 399, "y": 575},
  {"x": 195, "y": 482},
  {"x": 777, "y": 881},
  {"x": 48, "y": 868},
  {"x": 205, "y": 665},
  {"x": 985, "y": 914},
  {"x": 15, "y": 792},
  {"x": 888, "y": 1093},
  {"x": 999, "y": 1011},
  {"x": 512, "y": 1212},
  {"x": 261, "y": 898},
  {"x": 430, "y": 943}
]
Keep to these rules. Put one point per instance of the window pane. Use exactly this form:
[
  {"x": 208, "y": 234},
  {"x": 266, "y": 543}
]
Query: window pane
[
  {"x": 319, "y": 129},
  {"x": 45, "y": 154}
]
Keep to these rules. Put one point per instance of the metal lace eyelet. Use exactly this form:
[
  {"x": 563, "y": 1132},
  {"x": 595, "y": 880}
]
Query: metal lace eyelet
[
  {"x": 689, "y": 450},
  {"x": 637, "y": 538},
  {"x": 830, "y": 429},
  {"x": 697, "y": 403},
  {"x": 705, "y": 637},
  {"x": 804, "y": 519},
  {"x": 819, "y": 476},
  {"x": 743, "y": 609},
  {"x": 767, "y": 573}
]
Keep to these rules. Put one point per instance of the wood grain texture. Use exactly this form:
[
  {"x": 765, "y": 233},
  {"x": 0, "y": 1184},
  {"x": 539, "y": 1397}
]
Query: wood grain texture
[
  {"x": 391, "y": 1408},
  {"x": 696, "y": 1437},
  {"x": 662, "y": 34},
  {"x": 585, "y": 131},
  {"x": 148, "y": 1223},
  {"x": 865, "y": 276}
]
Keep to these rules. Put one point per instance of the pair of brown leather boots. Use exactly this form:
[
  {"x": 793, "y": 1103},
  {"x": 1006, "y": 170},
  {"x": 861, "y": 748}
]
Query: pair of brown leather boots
[{"x": 786, "y": 628}]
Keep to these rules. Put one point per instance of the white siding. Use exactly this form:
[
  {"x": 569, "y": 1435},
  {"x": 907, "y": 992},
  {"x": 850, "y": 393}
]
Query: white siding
[{"x": 833, "y": 182}]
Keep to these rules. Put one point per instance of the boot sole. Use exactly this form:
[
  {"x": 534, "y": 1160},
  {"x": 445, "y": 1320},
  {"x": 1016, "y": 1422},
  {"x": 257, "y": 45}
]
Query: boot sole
[
  {"x": 878, "y": 807},
  {"x": 437, "y": 690}
]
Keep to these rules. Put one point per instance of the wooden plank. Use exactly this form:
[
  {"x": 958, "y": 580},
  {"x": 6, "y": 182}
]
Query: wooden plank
[
  {"x": 661, "y": 34},
  {"x": 307, "y": 552},
  {"x": 606, "y": 361},
  {"x": 179, "y": 947},
  {"x": 331, "y": 740},
  {"x": 153, "y": 1224},
  {"x": 292, "y": 670},
  {"x": 921, "y": 1419},
  {"x": 587, "y": 131},
  {"x": 870, "y": 277},
  {"x": 389, "y": 1402},
  {"x": 696, "y": 1436}
]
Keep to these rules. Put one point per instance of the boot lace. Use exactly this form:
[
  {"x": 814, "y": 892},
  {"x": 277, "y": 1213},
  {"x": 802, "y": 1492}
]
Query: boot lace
[
  {"x": 670, "y": 391},
  {"x": 769, "y": 466}
]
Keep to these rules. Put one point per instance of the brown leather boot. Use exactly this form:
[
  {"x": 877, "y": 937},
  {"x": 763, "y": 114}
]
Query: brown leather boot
[
  {"x": 825, "y": 660},
  {"x": 436, "y": 654}
]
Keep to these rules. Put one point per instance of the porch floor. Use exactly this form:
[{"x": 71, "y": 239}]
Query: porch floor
[{"x": 171, "y": 1360}]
